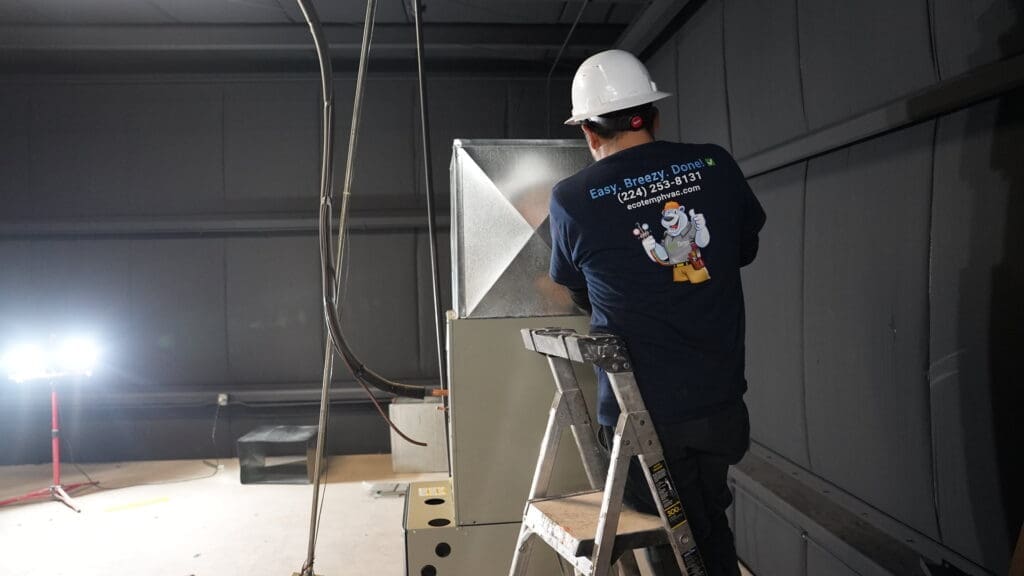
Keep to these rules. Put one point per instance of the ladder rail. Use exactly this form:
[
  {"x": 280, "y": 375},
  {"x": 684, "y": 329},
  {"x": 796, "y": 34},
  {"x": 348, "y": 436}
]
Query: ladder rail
[
  {"x": 557, "y": 419},
  {"x": 635, "y": 436},
  {"x": 595, "y": 464},
  {"x": 659, "y": 479},
  {"x": 611, "y": 503},
  {"x": 557, "y": 416}
]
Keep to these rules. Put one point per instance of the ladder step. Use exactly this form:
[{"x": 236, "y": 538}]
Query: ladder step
[{"x": 569, "y": 524}]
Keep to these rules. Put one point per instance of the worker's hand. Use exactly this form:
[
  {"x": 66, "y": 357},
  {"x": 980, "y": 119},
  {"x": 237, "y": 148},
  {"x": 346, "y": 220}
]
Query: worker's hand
[
  {"x": 698, "y": 220},
  {"x": 649, "y": 243}
]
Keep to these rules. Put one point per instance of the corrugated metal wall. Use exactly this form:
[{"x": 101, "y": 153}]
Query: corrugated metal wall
[
  {"x": 173, "y": 217},
  {"x": 884, "y": 305}
]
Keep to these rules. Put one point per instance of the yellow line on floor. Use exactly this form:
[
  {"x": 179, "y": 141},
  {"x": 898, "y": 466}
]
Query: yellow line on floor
[{"x": 139, "y": 504}]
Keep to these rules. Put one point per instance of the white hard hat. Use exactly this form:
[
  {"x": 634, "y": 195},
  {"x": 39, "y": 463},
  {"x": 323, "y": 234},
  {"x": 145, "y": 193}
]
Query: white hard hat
[{"x": 609, "y": 81}]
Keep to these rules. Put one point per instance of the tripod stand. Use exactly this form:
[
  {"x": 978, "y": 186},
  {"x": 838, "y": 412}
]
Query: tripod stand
[{"x": 56, "y": 491}]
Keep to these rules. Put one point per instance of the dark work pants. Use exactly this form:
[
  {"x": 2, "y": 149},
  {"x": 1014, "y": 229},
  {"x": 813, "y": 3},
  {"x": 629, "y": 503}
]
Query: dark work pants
[{"x": 698, "y": 453}]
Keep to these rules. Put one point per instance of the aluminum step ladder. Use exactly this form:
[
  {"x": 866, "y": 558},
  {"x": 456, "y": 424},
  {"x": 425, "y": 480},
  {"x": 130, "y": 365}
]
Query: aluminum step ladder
[{"x": 592, "y": 530}]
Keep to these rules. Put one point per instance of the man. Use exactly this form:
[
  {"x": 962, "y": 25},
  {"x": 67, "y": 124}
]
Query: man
[{"x": 650, "y": 239}]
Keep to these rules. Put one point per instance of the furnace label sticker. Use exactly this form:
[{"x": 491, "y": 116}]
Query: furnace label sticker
[{"x": 432, "y": 492}]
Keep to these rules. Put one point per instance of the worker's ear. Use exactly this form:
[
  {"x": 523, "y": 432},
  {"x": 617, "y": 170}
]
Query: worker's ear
[{"x": 655, "y": 123}]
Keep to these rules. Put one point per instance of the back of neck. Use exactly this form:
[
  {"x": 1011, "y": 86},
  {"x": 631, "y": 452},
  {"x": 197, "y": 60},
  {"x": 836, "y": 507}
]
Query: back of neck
[{"x": 623, "y": 141}]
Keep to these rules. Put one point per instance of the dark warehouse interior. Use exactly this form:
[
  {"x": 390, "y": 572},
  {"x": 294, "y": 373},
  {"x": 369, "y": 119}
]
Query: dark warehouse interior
[{"x": 158, "y": 187}]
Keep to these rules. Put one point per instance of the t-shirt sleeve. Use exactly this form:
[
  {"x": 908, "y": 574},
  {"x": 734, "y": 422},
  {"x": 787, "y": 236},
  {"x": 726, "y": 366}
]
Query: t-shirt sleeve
[
  {"x": 753, "y": 220},
  {"x": 564, "y": 235},
  {"x": 752, "y": 216}
]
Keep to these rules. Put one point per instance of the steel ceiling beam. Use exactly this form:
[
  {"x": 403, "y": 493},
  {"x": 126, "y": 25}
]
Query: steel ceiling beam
[
  {"x": 207, "y": 226},
  {"x": 649, "y": 25},
  {"x": 288, "y": 37}
]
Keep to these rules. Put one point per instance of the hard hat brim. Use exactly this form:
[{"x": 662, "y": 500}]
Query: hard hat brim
[{"x": 620, "y": 104}]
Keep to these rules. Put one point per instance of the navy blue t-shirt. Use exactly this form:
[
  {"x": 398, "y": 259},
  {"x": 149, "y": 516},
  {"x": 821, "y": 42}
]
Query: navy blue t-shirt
[{"x": 657, "y": 234}]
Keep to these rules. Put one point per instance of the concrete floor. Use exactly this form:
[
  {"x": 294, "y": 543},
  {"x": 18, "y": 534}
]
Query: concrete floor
[
  {"x": 179, "y": 518},
  {"x": 211, "y": 525}
]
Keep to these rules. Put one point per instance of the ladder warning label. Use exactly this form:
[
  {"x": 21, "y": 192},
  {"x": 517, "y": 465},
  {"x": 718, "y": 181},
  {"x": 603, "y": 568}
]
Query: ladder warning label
[
  {"x": 433, "y": 491},
  {"x": 667, "y": 494},
  {"x": 694, "y": 565}
]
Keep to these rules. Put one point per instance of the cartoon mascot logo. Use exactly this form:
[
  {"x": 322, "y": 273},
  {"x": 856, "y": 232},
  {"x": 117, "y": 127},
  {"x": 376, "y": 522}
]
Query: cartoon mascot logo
[{"x": 680, "y": 247}]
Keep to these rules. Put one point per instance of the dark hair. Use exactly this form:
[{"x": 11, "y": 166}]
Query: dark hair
[{"x": 610, "y": 125}]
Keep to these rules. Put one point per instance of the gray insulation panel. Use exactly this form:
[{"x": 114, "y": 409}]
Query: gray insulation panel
[
  {"x": 201, "y": 148},
  {"x": 762, "y": 53},
  {"x": 767, "y": 543},
  {"x": 526, "y": 119},
  {"x": 388, "y": 163},
  {"x": 865, "y": 322},
  {"x": 273, "y": 310},
  {"x": 425, "y": 295},
  {"x": 451, "y": 118},
  {"x": 177, "y": 307},
  {"x": 974, "y": 216},
  {"x": 526, "y": 114},
  {"x": 662, "y": 66},
  {"x": 380, "y": 302},
  {"x": 180, "y": 153},
  {"x": 773, "y": 289},
  {"x": 121, "y": 150},
  {"x": 822, "y": 563},
  {"x": 271, "y": 142},
  {"x": 904, "y": 322},
  {"x": 856, "y": 56},
  {"x": 15, "y": 109},
  {"x": 17, "y": 285},
  {"x": 703, "y": 108},
  {"x": 177, "y": 312},
  {"x": 971, "y": 34}
]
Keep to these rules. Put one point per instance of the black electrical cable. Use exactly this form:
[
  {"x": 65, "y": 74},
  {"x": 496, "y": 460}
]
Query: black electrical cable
[
  {"x": 428, "y": 179},
  {"x": 558, "y": 58},
  {"x": 323, "y": 493},
  {"x": 327, "y": 271},
  {"x": 328, "y": 283},
  {"x": 216, "y": 465},
  {"x": 74, "y": 461},
  {"x": 213, "y": 439},
  {"x": 328, "y": 274},
  {"x": 428, "y": 187}
]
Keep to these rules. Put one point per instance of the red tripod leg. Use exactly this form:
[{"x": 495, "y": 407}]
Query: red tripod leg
[
  {"x": 56, "y": 491},
  {"x": 44, "y": 493},
  {"x": 55, "y": 435},
  {"x": 62, "y": 496}
]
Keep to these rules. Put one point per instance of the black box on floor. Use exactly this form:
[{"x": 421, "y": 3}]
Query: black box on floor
[{"x": 290, "y": 449}]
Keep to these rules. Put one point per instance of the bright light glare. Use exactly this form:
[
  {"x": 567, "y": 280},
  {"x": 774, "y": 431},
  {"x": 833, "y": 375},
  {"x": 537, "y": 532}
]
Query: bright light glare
[
  {"x": 25, "y": 362},
  {"x": 72, "y": 357},
  {"x": 77, "y": 356}
]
